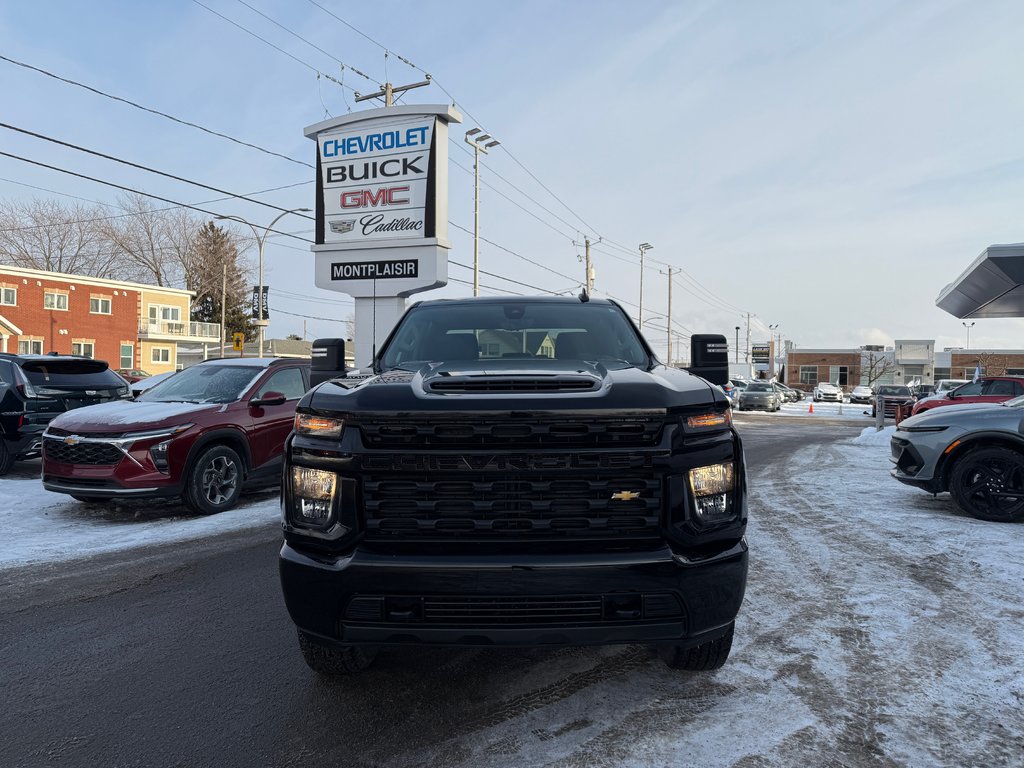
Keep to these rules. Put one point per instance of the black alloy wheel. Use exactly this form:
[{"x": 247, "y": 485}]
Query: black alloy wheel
[
  {"x": 988, "y": 483},
  {"x": 214, "y": 482}
]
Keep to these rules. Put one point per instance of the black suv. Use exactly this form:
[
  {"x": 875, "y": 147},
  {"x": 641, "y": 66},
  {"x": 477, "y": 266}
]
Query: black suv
[
  {"x": 35, "y": 388},
  {"x": 517, "y": 472}
]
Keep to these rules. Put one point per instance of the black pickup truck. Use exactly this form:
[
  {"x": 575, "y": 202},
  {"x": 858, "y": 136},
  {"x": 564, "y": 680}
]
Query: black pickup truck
[{"x": 519, "y": 472}]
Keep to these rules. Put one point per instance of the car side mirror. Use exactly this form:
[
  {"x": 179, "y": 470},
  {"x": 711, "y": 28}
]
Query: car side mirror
[{"x": 269, "y": 398}]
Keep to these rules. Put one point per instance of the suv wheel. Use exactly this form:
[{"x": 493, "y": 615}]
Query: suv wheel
[
  {"x": 700, "y": 658},
  {"x": 6, "y": 457},
  {"x": 988, "y": 483},
  {"x": 214, "y": 482},
  {"x": 334, "y": 660}
]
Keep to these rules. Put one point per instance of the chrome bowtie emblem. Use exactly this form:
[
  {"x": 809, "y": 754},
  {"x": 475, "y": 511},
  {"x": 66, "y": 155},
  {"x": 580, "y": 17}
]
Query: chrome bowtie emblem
[{"x": 72, "y": 440}]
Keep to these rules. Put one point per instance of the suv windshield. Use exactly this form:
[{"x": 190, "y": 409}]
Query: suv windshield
[
  {"x": 84, "y": 372},
  {"x": 515, "y": 330},
  {"x": 203, "y": 384},
  {"x": 895, "y": 391}
]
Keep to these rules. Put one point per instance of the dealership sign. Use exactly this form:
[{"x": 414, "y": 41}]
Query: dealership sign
[{"x": 382, "y": 210}]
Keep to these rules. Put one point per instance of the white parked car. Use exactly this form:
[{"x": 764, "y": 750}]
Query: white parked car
[
  {"x": 942, "y": 386},
  {"x": 826, "y": 391}
]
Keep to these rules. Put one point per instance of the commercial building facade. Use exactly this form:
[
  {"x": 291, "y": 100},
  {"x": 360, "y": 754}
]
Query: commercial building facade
[{"x": 130, "y": 325}]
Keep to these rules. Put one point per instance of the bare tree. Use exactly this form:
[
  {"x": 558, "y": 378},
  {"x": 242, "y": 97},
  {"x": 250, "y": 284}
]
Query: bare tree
[
  {"x": 55, "y": 237},
  {"x": 155, "y": 245},
  {"x": 876, "y": 365}
]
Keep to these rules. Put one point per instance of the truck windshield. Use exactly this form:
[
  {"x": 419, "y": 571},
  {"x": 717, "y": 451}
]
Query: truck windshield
[{"x": 516, "y": 329}]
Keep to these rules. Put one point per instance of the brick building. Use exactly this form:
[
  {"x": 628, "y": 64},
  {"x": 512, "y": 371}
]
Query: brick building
[
  {"x": 806, "y": 367},
  {"x": 129, "y": 325}
]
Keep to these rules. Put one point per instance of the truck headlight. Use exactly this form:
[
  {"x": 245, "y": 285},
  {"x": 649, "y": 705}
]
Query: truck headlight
[
  {"x": 318, "y": 426},
  {"x": 313, "y": 496},
  {"x": 712, "y": 488}
]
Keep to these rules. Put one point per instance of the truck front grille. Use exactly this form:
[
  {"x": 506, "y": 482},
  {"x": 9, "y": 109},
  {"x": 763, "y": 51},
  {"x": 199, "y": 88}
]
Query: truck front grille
[
  {"x": 520, "y": 504},
  {"x": 477, "y": 431}
]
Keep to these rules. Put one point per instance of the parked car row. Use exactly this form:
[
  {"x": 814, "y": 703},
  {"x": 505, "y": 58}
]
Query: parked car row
[{"x": 203, "y": 434}]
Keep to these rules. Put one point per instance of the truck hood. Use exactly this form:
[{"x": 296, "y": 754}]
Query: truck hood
[
  {"x": 512, "y": 385},
  {"x": 130, "y": 416}
]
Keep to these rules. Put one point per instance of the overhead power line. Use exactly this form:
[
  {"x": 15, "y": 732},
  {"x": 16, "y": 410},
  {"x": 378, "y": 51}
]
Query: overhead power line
[
  {"x": 176, "y": 203},
  {"x": 146, "y": 168},
  {"x": 157, "y": 112}
]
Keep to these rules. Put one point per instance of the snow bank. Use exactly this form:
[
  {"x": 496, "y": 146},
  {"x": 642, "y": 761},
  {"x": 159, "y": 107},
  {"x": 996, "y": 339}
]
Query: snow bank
[{"x": 871, "y": 436}]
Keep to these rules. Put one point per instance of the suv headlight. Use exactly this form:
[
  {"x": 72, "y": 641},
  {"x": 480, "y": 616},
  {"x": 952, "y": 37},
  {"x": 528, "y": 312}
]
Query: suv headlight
[
  {"x": 713, "y": 488},
  {"x": 318, "y": 426}
]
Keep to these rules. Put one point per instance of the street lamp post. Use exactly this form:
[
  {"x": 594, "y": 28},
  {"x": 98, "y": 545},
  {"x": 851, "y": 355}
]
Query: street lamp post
[
  {"x": 478, "y": 145},
  {"x": 260, "y": 322},
  {"x": 644, "y": 248},
  {"x": 968, "y": 326}
]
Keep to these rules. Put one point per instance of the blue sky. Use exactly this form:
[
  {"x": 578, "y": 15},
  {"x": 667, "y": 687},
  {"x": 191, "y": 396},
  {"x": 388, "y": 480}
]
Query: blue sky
[{"x": 828, "y": 167}]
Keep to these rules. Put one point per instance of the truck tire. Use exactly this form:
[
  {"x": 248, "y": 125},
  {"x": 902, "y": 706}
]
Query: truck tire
[
  {"x": 214, "y": 481},
  {"x": 699, "y": 658},
  {"x": 334, "y": 660},
  {"x": 988, "y": 483}
]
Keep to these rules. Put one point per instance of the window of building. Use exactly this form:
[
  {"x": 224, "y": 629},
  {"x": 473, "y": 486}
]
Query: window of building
[
  {"x": 968, "y": 373},
  {"x": 30, "y": 347},
  {"x": 546, "y": 350},
  {"x": 839, "y": 374},
  {"x": 53, "y": 300},
  {"x": 127, "y": 356},
  {"x": 158, "y": 312},
  {"x": 84, "y": 348},
  {"x": 1015, "y": 371},
  {"x": 9, "y": 297},
  {"x": 490, "y": 349},
  {"x": 943, "y": 373},
  {"x": 809, "y": 374},
  {"x": 99, "y": 305},
  {"x": 161, "y": 355}
]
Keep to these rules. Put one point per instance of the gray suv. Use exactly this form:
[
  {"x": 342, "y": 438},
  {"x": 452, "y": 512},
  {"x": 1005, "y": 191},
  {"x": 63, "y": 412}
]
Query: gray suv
[{"x": 974, "y": 451}]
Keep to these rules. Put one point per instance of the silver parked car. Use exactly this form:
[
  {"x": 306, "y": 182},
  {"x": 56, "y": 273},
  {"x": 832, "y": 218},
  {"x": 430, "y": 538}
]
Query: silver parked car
[
  {"x": 861, "y": 395},
  {"x": 760, "y": 395},
  {"x": 974, "y": 451}
]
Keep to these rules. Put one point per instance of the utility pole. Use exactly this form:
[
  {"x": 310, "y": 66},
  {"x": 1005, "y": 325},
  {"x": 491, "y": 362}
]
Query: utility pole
[
  {"x": 737, "y": 345},
  {"x": 223, "y": 303},
  {"x": 644, "y": 248},
  {"x": 388, "y": 91},
  {"x": 748, "y": 339},
  {"x": 772, "y": 348},
  {"x": 478, "y": 144},
  {"x": 588, "y": 277},
  {"x": 668, "y": 332}
]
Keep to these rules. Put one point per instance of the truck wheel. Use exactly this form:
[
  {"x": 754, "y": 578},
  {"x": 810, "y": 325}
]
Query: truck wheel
[
  {"x": 334, "y": 660},
  {"x": 700, "y": 658},
  {"x": 214, "y": 482},
  {"x": 6, "y": 457},
  {"x": 988, "y": 483}
]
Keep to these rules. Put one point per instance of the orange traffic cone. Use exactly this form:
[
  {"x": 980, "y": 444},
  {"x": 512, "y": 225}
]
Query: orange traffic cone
[{"x": 810, "y": 407}]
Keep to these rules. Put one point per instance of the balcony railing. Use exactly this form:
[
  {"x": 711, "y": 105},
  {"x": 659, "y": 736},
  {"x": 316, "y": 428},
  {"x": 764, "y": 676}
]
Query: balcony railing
[{"x": 184, "y": 330}]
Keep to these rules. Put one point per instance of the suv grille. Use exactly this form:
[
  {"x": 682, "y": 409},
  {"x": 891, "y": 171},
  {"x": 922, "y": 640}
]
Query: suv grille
[
  {"x": 81, "y": 453},
  {"x": 466, "y": 431}
]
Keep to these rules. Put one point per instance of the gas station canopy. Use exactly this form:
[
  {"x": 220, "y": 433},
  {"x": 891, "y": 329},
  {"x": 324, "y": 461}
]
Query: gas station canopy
[{"x": 993, "y": 286}]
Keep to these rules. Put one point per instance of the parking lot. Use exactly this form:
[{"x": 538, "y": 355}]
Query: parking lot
[{"x": 880, "y": 627}]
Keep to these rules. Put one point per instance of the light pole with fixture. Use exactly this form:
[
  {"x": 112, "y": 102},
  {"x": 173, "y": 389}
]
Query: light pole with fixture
[
  {"x": 260, "y": 322},
  {"x": 644, "y": 248},
  {"x": 968, "y": 326},
  {"x": 478, "y": 144}
]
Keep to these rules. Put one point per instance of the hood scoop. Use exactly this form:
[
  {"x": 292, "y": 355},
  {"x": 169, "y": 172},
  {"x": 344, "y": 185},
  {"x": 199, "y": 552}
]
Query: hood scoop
[{"x": 505, "y": 383}]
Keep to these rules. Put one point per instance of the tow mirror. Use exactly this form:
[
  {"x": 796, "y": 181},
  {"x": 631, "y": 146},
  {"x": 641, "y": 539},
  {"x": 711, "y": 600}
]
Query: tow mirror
[{"x": 269, "y": 398}]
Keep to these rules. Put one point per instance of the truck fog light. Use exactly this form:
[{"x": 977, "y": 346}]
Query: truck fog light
[
  {"x": 313, "y": 491},
  {"x": 158, "y": 453},
  {"x": 712, "y": 488}
]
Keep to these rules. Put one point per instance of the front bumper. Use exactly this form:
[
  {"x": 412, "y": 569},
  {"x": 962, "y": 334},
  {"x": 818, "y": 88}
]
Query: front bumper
[{"x": 514, "y": 600}]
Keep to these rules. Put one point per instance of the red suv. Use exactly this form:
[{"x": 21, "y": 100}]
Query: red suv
[
  {"x": 987, "y": 389},
  {"x": 202, "y": 434}
]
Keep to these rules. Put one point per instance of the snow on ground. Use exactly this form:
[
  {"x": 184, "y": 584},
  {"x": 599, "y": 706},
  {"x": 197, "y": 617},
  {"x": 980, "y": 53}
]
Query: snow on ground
[
  {"x": 39, "y": 525},
  {"x": 851, "y": 411}
]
